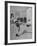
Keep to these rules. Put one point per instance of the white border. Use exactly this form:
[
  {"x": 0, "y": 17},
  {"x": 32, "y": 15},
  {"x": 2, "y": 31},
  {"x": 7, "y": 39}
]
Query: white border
[{"x": 33, "y": 15}]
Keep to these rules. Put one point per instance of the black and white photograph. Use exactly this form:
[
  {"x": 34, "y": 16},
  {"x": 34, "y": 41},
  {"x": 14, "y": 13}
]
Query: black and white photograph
[{"x": 20, "y": 22}]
